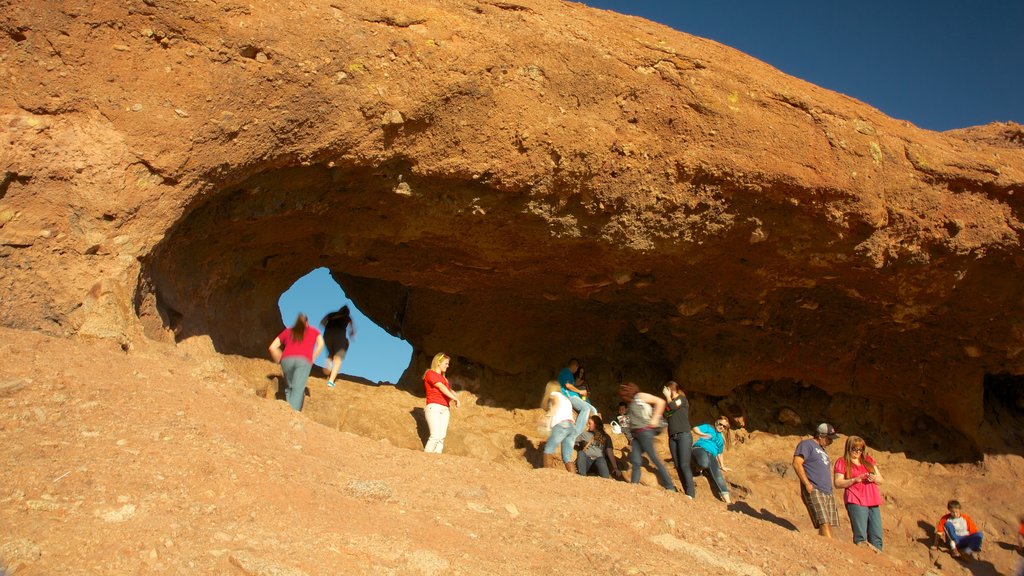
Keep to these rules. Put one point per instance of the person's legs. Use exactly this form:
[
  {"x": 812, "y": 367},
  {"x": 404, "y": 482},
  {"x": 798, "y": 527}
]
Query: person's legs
[
  {"x": 583, "y": 463},
  {"x": 719, "y": 480},
  {"x": 568, "y": 443},
  {"x": 951, "y": 537},
  {"x": 971, "y": 543},
  {"x": 858, "y": 522},
  {"x": 602, "y": 468},
  {"x": 875, "y": 526},
  {"x": 646, "y": 441},
  {"x": 584, "y": 409},
  {"x": 336, "y": 361},
  {"x": 558, "y": 433},
  {"x": 635, "y": 460},
  {"x": 296, "y": 372},
  {"x": 437, "y": 421},
  {"x": 685, "y": 449}
]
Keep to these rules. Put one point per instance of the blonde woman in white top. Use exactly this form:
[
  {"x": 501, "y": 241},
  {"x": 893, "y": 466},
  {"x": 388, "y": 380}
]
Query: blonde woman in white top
[{"x": 560, "y": 422}]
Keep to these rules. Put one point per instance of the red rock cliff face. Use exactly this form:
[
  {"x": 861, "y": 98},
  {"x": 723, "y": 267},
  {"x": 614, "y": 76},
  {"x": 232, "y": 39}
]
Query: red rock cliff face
[{"x": 513, "y": 183}]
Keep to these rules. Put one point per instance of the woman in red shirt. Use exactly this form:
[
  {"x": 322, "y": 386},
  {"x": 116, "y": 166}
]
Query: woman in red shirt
[
  {"x": 439, "y": 397},
  {"x": 295, "y": 348}
]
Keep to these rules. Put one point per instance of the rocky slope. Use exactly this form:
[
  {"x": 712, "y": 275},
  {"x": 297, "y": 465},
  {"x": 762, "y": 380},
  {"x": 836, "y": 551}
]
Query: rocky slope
[
  {"x": 161, "y": 460},
  {"x": 514, "y": 183}
]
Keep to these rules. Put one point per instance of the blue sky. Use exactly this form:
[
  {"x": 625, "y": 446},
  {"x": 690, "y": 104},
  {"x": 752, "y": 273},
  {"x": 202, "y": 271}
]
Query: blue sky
[
  {"x": 372, "y": 354},
  {"x": 940, "y": 64}
]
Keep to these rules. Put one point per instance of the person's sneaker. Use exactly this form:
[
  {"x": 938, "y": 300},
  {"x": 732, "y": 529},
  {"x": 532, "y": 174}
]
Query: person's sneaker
[{"x": 330, "y": 384}]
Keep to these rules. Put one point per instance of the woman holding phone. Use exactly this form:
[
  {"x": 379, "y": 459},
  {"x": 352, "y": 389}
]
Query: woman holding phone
[{"x": 858, "y": 474}]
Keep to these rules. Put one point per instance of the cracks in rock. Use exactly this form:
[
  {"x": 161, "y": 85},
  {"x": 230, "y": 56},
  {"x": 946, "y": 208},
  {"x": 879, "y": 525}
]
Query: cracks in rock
[
  {"x": 508, "y": 6},
  {"x": 9, "y": 178},
  {"x": 388, "y": 20}
]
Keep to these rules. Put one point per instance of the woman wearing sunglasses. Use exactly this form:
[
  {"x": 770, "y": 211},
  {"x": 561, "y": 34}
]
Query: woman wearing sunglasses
[
  {"x": 707, "y": 454},
  {"x": 857, "y": 473}
]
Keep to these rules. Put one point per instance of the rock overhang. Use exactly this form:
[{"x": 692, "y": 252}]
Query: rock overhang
[{"x": 590, "y": 185}]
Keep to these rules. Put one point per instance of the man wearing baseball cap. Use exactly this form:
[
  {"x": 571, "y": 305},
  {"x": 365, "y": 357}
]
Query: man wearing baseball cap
[{"x": 814, "y": 468}]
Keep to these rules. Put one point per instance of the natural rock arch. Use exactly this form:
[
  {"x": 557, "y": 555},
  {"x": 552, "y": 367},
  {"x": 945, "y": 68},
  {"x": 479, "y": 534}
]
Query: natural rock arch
[{"x": 512, "y": 185}]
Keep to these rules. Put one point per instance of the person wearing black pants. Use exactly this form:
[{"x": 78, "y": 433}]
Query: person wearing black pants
[{"x": 680, "y": 438}]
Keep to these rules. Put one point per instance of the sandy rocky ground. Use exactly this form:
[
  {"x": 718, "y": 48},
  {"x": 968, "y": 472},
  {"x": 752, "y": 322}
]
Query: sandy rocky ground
[{"x": 169, "y": 460}]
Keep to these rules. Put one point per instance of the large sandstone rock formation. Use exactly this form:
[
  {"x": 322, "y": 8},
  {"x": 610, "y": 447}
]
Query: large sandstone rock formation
[{"x": 511, "y": 182}]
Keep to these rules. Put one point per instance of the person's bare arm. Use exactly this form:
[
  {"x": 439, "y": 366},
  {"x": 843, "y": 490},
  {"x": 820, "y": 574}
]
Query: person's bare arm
[
  {"x": 447, "y": 393},
  {"x": 319, "y": 346},
  {"x": 798, "y": 467},
  {"x": 275, "y": 350}
]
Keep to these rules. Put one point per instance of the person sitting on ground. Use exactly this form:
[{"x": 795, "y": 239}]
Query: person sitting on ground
[
  {"x": 959, "y": 531},
  {"x": 577, "y": 396},
  {"x": 560, "y": 423},
  {"x": 858, "y": 474},
  {"x": 295, "y": 348},
  {"x": 338, "y": 328},
  {"x": 645, "y": 412},
  {"x": 680, "y": 437},
  {"x": 590, "y": 448},
  {"x": 708, "y": 450},
  {"x": 814, "y": 469},
  {"x": 622, "y": 419}
]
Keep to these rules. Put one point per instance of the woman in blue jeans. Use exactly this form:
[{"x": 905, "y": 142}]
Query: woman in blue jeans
[
  {"x": 680, "y": 438},
  {"x": 645, "y": 412},
  {"x": 560, "y": 422},
  {"x": 707, "y": 453}
]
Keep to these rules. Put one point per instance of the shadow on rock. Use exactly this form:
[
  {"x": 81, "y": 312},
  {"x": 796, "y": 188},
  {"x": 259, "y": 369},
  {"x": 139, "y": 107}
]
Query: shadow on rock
[
  {"x": 763, "y": 514},
  {"x": 422, "y": 430},
  {"x": 532, "y": 453}
]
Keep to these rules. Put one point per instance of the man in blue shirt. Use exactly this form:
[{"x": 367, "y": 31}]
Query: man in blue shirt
[
  {"x": 814, "y": 468},
  {"x": 577, "y": 396}
]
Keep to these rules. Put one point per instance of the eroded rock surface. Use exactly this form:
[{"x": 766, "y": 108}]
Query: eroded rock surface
[{"x": 512, "y": 183}]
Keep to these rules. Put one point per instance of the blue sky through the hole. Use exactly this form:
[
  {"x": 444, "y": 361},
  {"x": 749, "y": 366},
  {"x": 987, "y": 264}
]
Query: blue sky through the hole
[{"x": 373, "y": 353}]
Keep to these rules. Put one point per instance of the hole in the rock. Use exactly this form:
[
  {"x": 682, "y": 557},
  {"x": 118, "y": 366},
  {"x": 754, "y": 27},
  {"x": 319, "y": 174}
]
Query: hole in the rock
[
  {"x": 373, "y": 354},
  {"x": 1004, "y": 408}
]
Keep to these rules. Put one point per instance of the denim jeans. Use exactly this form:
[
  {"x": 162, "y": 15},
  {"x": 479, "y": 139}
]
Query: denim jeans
[
  {"x": 561, "y": 433},
  {"x": 970, "y": 542},
  {"x": 296, "y": 372},
  {"x": 583, "y": 463},
  {"x": 705, "y": 461},
  {"x": 680, "y": 445},
  {"x": 866, "y": 522},
  {"x": 585, "y": 410},
  {"x": 643, "y": 443},
  {"x": 437, "y": 421}
]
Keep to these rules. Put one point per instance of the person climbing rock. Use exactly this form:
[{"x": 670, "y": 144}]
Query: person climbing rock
[
  {"x": 338, "y": 329},
  {"x": 295, "y": 348},
  {"x": 560, "y": 424}
]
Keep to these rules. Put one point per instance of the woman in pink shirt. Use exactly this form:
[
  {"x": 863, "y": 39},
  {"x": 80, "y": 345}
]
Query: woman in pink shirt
[
  {"x": 858, "y": 474},
  {"x": 295, "y": 348}
]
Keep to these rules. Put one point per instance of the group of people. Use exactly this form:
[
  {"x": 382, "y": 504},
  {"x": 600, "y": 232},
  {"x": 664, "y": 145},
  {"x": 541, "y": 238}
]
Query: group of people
[
  {"x": 859, "y": 475},
  {"x": 641, "y": 419},
  {"x": 296, "y": 347}
]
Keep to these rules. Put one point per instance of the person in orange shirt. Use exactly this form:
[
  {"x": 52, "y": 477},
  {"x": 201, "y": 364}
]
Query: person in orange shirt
[{"x": 959, "y": 531}]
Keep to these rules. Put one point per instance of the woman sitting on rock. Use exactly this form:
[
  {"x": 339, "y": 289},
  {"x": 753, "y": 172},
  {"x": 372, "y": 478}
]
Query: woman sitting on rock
[
  {"x": 707, "y": 454},
  {"x": 590, "y": 448},
  {"x": 295, "y": 348},
  {"x": 858, "y": 474},
  {"x": 561, "y": 424}
]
